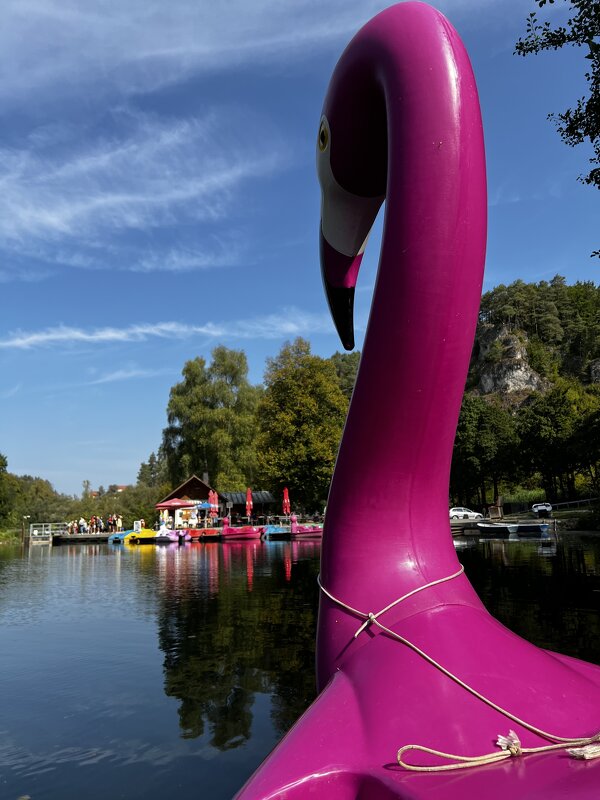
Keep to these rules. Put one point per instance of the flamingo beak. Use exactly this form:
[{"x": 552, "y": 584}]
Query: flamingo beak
[
  {"x": 339, "y": 277},
  {"x": 346, "y": 220}
]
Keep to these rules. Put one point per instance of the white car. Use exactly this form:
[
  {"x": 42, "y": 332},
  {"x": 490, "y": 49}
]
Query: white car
[
  {"x": 543, "y": 507},
  {"x": 464, "y": 513}
]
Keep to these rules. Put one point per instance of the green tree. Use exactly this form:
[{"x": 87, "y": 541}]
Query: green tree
[
  {"x": 582, "y": 29},
  {"x": 154, "y": 471},
  {"x": 301, "y": 418},
  {"x": 586, "y": 445},
  {"x": 548, "y": 425},
  {"x": 211, "y": 421},
  {"x": 346, "y": 367},
  {"x": 38, "y": 499},
  {"x": 562, "y": 322},
  {"x": 484, "y": 450},
  {"x": 5, "y": 494}
]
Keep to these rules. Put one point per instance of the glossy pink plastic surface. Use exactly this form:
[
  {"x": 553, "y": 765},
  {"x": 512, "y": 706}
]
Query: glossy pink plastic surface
[
  {"x": 241, "y": 532},
  {"x": 309, "y": 531},
  {"x": 403, "y": 109}
]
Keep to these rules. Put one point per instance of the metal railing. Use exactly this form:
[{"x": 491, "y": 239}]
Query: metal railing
[
  {"x": 45, "y": 530},
  {"x": 576, "y": 503}
]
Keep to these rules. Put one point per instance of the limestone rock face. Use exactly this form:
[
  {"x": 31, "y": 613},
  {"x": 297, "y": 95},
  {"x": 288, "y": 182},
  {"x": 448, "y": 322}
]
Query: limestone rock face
[
  {"x": 501, "y": 364},
  {"x": 595, "y": 371}
]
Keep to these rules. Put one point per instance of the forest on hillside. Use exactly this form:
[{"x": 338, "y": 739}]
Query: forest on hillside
[{"x": 536, "y": 444}]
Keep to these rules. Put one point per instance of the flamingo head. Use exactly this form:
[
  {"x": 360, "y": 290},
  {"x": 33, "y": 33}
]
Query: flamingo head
[{"x": 352, "y": 170}]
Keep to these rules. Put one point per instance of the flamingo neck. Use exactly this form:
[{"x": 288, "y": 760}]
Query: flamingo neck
[{"x": 387, "y": 512}]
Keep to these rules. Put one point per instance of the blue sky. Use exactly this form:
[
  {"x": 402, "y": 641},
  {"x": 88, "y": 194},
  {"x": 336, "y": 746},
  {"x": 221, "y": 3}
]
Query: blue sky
[{"x": 158, "y": 197}]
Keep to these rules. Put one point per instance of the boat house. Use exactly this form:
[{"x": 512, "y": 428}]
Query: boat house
[
  {"x": 195, "y": 490},
  {"x": 263, "y": 503}
]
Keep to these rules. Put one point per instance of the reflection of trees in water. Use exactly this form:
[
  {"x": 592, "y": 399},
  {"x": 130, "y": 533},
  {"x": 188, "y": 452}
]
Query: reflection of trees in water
[
  {"x": 254, "y": 634},
  {"x": 549, "y": 595},
  {"x": 236, "y": 622}
]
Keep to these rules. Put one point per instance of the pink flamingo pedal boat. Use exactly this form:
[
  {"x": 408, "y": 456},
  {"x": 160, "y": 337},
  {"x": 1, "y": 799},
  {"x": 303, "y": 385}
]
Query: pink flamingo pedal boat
[
  {"x": 304, "y": 531},
  {"x": 423, "y": 694},
  {"x": 242, "y": 532}
]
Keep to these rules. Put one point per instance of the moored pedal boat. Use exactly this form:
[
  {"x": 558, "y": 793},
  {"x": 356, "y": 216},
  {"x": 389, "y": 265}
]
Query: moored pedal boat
[
  {"x": 276, "y": 532},
  {"x": 166, "y": 536},
  {"x": 497, "y": 530},
  {"x": 205, "y": 534},
  {"x": 229, "y": 533},
  {"x": 533, "y": 530},
  {"x": 144, "y": 536},
  {"x": 304, "y": 531},
  {"x": 117, "y": 538}
]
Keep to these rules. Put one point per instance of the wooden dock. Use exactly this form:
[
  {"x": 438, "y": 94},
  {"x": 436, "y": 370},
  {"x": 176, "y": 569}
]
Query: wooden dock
[
  {"x": 79, "y": 538},
  {"x": 464, "y": 527}
]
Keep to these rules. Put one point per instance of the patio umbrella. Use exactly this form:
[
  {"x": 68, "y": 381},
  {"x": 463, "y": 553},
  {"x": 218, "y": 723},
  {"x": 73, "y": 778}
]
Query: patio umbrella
[
  {"x": 175, "y": 503},
  {"x": 249, "y": 503},
  {"x": 203, "y": 505},
  {"x": 213, "y": 499},
  {"x": 286, "y": 501}
]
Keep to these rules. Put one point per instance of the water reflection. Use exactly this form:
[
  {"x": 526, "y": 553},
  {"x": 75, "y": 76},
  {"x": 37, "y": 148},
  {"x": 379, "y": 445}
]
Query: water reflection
[
  {"x": 118, "y": 716},
  {"x": 548, "y": 593},
  {"x": 236, "y": 620}
]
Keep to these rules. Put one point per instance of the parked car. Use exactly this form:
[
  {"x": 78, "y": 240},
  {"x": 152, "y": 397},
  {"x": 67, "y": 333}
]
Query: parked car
[
  {"x": 542, "y": 509},
  {"x": 464, "y": 513}
]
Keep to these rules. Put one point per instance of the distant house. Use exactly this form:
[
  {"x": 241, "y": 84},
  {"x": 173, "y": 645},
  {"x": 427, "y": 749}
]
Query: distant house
[{"x": 117, "y": 488}]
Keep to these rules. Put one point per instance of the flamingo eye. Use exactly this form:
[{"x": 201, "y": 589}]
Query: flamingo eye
[{"x": 323, "y": 138}]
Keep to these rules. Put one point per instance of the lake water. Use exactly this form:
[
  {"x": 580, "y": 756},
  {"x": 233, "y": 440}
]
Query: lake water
[{"x": 172, "y": 671}]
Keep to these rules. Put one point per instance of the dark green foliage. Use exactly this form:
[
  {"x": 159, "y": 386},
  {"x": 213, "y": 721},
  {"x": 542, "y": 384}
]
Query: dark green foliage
[
  {"x": 223, "y": 649},
  {"x": 542, "y": 359},
  {"x": 484, "y": 450},
  {"x": 153, "y": 472},
  {"x": 300, "y": 417},
  {"x": 562, "y": 322},
  {"x": 547, "y": 426},
  {"x": 212, "y": 423},
  {"x": 586, "y": 444},
  {"x": 346, "y": 367},
  {"x": 592, "y": 519},
  {"x": 5, "y": 492},
  {"x": 582, "y": 29},
  {"x": 549, "y": 439}
]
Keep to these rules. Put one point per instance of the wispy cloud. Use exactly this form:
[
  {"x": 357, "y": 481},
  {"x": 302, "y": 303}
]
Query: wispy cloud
[
  {"x": 289, "y": 323},
  {"x": 504, "y": 195},
  {"x": 141, "y": 45},
  {"x": 129, "y": 374},
  {"x": 6, "y": 393},
  {"x": 133, "y": 181},
  {"x": 552, "y": 188},
  {"x": 95, "y": 205},
  {"x": 220, "y": 252}
]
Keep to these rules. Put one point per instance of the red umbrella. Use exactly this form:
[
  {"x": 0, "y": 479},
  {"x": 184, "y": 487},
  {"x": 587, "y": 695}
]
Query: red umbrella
[
  {"x": 213, "y": 499},
  {"x": 286, "y": 501},
  {"x": 176, "y": 503},
  {"x": 249, "y": 503}
]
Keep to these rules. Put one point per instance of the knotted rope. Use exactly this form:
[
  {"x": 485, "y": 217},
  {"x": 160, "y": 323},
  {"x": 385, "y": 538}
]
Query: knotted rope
[{"x": 583, "y": 747}]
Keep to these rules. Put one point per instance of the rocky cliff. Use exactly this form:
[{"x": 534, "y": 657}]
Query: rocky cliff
[{"x": 500, "y": 363}]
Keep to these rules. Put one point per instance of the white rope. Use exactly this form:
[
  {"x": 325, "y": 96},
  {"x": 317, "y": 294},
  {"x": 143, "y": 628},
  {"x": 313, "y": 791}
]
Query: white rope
[{"x": 586, "y": 747}]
